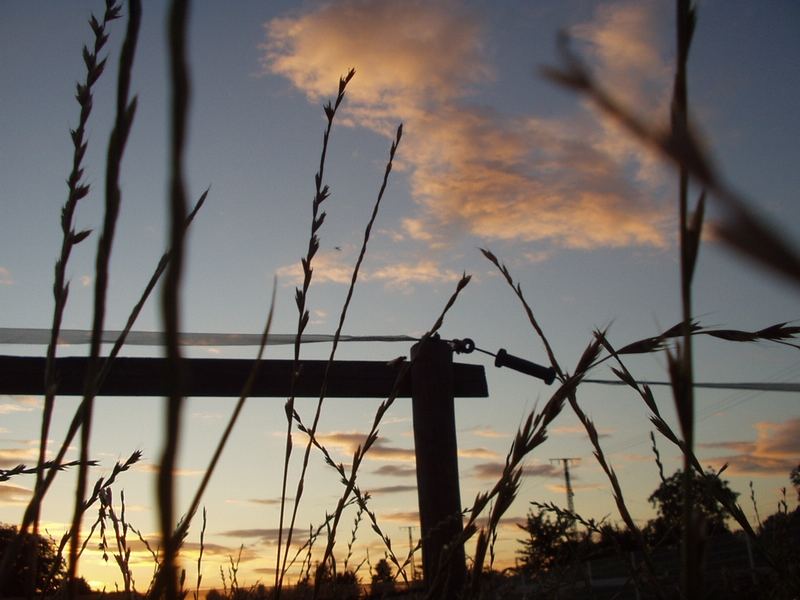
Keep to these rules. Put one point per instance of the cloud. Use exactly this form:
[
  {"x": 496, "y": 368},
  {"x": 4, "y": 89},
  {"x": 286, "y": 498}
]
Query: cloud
[
  {"x": 264, "y": 536},
  {"x": 406, "y": 53},
  {"x": 396, "y": 470},
  {"x": 622, "y": 43},
  {"x": 14, "y": 494},
  {"x": 11, "y": 457},
  {"x": 485, "y": 431},
  {"x": 477, "y": 453},
  {"x": 493, "y": 470},
  {"x": 5, "y": 277},
  {"x": 402, "y": 517},
  {"x": 774, "y": 451},
  {"x": 328, "y": 268},
  {"x": 391, "y": 489},
  {"x": 529, "y": 180},
  {"x": 261, "y": 501},
  {"x": 579, "y": 430},
  {"x": 544, "y": 470},
  {"x": 347, "y": 442},
  {"x": 19, "y": 404},
  {"x": 471, "y": 168},
  {"x": 212, "y": 550},
  {"x": 403, "y": 275},
  {"x": 331, "y": 268}
]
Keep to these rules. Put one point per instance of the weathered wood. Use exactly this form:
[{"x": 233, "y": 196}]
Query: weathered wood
[
  {"x": 433, "y": 386},
  {"x": 130, "y": 376}
]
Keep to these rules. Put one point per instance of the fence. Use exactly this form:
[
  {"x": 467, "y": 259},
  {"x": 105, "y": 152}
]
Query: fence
[{"x": 433, "y": 382}]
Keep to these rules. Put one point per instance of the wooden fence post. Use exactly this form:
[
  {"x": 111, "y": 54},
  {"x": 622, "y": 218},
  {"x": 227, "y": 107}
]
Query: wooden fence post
[{"x": 437, "y": 466}]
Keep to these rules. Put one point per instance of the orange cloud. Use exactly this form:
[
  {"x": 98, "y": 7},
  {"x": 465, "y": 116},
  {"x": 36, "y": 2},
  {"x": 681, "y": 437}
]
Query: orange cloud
[
  {"x": 473, "y": 169},
  {"x": 401, "y": 517},
  {"x": 330, "y": 268},
  {"x": 5, "y": 277},
  {"x": 327, "y": 268},
  {"x": 11, "y": 457},
  {"x": 14, "y": 494},
  {"x": 404, "y": 275},
  {"x": 775, "y": 450},
  {"x": 347, "y": 442},
  {"x": 19, "y": 404},
  {"x": 476, "y": 453},
  {"x": 406, "y": 53},
  {"x": 623, "y": 44},
  {"x": 485, "y": 432}
]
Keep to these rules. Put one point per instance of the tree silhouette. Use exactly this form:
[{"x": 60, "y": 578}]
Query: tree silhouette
[
  {"x": 548, "y": 543},
  {"x": 50, "y": 567},
  {"x": 382, "y": 578},
  {"x": 668, "y": 499}
]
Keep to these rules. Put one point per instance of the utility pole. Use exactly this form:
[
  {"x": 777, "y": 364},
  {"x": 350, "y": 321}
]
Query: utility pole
[
  {"x": 410, "y": 529},
  {"x": 568, "y": 483}
]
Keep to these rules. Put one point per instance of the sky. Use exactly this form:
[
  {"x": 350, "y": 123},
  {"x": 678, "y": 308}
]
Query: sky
[{"x": 492, "y": 156}]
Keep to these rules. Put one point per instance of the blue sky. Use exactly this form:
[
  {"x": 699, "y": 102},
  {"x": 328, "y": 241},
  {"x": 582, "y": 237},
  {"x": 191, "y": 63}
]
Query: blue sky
[{"x": 492, "y": 156}]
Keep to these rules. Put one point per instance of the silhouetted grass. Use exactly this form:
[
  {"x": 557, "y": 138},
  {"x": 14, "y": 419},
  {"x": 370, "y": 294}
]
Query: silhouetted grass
[{"x": 740, "y": 229}]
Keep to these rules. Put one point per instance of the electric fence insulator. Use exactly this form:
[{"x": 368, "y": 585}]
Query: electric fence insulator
[{"x": 504, "y": 359}]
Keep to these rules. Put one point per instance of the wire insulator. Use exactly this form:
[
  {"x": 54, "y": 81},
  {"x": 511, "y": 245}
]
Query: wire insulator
[
  {"x": 504, "y": 359},
  {"x": 465, "y": 346}
]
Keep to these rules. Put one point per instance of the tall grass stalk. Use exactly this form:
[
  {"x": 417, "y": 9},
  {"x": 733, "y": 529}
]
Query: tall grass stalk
[
  {"x": 126, "y": 109},
  {"x": 682, "y": 363},
  {"x": 739, "y": 228},
  {"x": 734, "y": 510},
  {"x": 180, "y": 532},
  {"x": 588, "y": 361},
  {"x": 321, "y": 193},
  {"x": 342, "y": 316},
  {"x": 196, "y": 595},
  {"x": 55, "y": 466},
  {"x": 372, "y": 436},
  {"x": 77, "y": 189},
  {"x": 179, "y": 80},
  {"x": 101, "y": 487}
]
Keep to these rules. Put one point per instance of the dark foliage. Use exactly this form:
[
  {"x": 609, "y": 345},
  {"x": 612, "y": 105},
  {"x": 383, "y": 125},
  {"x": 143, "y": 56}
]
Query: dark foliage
[
  {"x": 47, "y": 561},
  {"x": 667, "y": 527},
  {"x": 550, "y": 545}
]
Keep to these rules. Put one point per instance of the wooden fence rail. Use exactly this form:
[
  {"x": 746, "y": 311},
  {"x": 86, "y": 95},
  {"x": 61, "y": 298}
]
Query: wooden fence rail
[{"x": 433, "y": 382}]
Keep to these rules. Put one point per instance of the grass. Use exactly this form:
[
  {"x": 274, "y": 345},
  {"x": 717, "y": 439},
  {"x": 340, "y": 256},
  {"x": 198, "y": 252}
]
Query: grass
[{"x": 740, "y": 229}]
